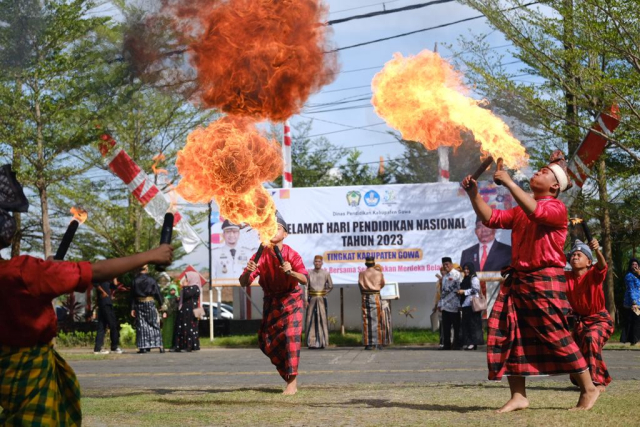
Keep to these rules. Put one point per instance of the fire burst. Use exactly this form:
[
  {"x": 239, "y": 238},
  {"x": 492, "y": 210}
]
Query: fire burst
[
  {"x": 228, "y": 161},
  {"x": 261, "y": 59},
  {"x": 424, "y": 98}
]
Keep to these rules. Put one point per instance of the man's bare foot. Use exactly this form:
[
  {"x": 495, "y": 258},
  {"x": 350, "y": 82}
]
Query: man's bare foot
[
  {"x": 516, "y": 403},
  {"x": 292, "y": 387},
  {"x": 601, "y": 388},
  {"x": 587, "y": 400}
]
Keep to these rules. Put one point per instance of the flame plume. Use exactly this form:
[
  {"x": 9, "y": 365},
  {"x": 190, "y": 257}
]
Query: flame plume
[
  {"x": 256, "y": 58},
  {"x": 228, "y": 161},
  {"x": 79, "y": 214},
  {"x": 424, "y": 98}
]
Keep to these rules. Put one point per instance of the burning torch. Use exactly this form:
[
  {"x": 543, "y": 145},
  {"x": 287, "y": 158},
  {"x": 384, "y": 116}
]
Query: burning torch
[
  {"x": 79, "y": 216},
  {"x": 166, "y": 234},
  {"x": 276, "y": 249},
  {"x": 585, "y": 228},
  {"x": 485, "y": 165}
]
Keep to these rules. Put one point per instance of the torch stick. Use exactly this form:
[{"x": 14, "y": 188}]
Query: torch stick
[
  {"x": 67, "y": 239},
  {"x": 279, "y": 255},
  {"x": 258, "y": 253},
  {"x": 166, "y": 234},
  {"x": 499, "y": 163},
  {"x": 483, "y": 167}
]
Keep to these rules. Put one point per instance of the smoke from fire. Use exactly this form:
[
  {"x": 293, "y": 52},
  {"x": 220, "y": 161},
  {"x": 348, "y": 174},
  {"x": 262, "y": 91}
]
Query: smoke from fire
[{"x": 424, "y": 98}]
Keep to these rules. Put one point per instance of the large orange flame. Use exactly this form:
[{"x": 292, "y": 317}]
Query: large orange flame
[
  {"x": 424, "y": 98},
  {"x": 228, "y": 161},
  {"x": 79, "y": 214},
  {"x": 257, "y": 58}
]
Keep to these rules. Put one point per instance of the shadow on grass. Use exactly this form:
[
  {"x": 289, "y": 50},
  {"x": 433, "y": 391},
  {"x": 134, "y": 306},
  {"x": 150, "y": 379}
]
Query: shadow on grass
[
  {"x": 381, "y": 403},
  {"x": 169, "y": 392},
  {"x": 570, "y": 387}
]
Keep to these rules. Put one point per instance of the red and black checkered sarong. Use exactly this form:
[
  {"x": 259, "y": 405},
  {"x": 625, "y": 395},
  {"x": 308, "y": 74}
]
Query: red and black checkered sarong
[
  {"x": 280, "y": 330},
  {"x": 528, "y": 330},
  {"x": 591, "y": 333}
]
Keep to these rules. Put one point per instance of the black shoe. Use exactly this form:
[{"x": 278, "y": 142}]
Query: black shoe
[
  {"x": 444, "y": 348},
  {"x": 379, "y": 347},
  {"x": 161, "y": 350},
  {"x": 142, "y": 351},
  {"x": 368, "y": 347}
]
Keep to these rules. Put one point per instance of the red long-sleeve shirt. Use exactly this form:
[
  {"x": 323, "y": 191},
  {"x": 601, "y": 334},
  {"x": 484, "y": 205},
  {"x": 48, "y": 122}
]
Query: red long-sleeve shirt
[
  {"x": 272, "y": 279},
  {"x": 27, "y": 287},
  {"x": 585, "y": 293},
  {"x": 537, "y": 240}
]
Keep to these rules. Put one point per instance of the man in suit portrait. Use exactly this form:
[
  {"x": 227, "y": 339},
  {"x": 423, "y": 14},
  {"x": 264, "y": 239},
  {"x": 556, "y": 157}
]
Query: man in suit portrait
[{"x": 488, "y": 254}]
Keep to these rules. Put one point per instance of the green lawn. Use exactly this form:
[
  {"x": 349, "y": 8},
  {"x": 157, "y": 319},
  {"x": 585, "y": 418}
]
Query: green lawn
[{"x": 361, "y": 405}]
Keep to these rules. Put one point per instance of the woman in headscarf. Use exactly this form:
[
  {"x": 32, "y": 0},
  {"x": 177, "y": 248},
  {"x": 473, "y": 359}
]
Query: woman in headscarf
[
  {"x": 471, "y": 324},
  {"x": 631, "y": 332},
  {"x": 169, "y": 314},
  {"x": 187, "y": 322}
]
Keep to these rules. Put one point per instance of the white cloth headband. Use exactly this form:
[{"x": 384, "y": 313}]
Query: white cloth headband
[{"x": 560, "y": 175}]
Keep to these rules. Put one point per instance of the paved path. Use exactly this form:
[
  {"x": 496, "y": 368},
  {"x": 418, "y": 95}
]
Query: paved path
[{"x": 243, "y": 367}]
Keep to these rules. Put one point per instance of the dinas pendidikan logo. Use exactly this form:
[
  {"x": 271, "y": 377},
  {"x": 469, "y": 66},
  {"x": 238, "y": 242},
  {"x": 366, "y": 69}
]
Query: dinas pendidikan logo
[
  {"x": 353, "y": 198},
  {"x": 371, "y": 198}
]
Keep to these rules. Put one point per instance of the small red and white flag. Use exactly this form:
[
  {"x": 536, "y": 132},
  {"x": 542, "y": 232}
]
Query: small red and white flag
[{"x": 145, "y": 191}]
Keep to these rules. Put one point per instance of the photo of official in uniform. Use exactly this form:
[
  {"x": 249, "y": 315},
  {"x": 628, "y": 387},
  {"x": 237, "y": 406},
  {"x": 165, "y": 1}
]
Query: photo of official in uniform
[
  {"x": 230, "y": 259},
  {"x": 488, "y": 254}
]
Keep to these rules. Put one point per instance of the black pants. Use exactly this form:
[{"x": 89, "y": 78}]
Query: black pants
[
  {"x": 630, "y": 327},
  {"x": 450, "y": 319},
  {"x": 107, "y": 319},
  {"x": 471, "y": 327}
]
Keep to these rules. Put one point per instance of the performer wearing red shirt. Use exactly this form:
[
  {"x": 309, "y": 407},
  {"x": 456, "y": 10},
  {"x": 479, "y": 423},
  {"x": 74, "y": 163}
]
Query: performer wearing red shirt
[
  {"x": 528, "y": 330},
  {"x": 281, "y": 328},
  {"x": 593, "y": 325},
  {"x": 37, "y": 387}
]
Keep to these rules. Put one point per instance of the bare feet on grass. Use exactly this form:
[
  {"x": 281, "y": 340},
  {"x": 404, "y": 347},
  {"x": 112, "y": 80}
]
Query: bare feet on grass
[
  {"x": 292, "y": 387},
  {"x": 587, "y": 399},
  {"x": 516, "y": 403}
]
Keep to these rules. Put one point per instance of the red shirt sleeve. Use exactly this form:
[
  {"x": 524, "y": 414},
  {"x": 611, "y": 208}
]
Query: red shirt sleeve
[
  {"x": 552, "y": 213},
  {"x": 53, "y": 278},
  {"x": 297, "y": 265},
  {"x": 597, "y": 276},
  {"x": 501, "y": 219}
]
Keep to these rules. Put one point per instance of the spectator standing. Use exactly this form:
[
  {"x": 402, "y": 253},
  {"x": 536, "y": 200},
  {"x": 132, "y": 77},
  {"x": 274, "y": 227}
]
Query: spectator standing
[
  {"x": 317, "y": 325},
  {"x": 631, "y": 332},
  {"x": 143, "y": 293},
  {"x": 106, "y": 318},
  {"x": 370, "y": 282},
  {"x": 449, "y": 304},
  {"x": 471, "y": 322}
]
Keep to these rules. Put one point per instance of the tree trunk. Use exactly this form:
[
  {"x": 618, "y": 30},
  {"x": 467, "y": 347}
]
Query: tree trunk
[
  {"x": 605, "y": 223},
  {"x": 571, "y": 108},
  {"x": 46, "y": 226},
  {"x": 41, "y": 184},
  {"x": 15, "y": 243}
]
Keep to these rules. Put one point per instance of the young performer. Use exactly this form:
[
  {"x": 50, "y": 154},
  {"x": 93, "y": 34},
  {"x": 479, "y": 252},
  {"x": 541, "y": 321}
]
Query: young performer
[
  {"x": 106, "y": 319},
  {"x": 281, "y": 327},
  {"x": 144, "y": 291},
  {"x": 593, "y": 323},
  {"x": 528, "y": 330},
  {"x": 370, "y": 282},
  {"x": 317, "y": 326},
  {"x": 37, "y": 386}
]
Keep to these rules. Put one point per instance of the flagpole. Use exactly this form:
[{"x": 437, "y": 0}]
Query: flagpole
[
  {"x": 210, "y": 281},
  {"x": 287, "y": 176}
]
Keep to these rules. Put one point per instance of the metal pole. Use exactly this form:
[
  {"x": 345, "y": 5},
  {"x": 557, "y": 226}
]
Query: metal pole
[
  {"x": 342, "y": 310},
  {"x": 210, "y": 279}
]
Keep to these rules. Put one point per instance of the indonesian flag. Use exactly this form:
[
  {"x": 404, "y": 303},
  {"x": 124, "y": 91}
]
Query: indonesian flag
[
  {"x": 590, "y": 150},
  {"x": 145, "y": 191}
]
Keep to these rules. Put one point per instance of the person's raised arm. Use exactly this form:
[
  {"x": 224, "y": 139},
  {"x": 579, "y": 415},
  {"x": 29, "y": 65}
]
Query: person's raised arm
[
  {"x": 109, "y": 268},
  {"x": 482, "y": 209},
  {"x": 524, "y": 200},
  {"x": 245, "y": 278},
  {"x": 595, "y": 247}
]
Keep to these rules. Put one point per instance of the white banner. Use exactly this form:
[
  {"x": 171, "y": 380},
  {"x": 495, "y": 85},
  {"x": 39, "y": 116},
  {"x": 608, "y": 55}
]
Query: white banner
[{"x": 408, "y": 228}]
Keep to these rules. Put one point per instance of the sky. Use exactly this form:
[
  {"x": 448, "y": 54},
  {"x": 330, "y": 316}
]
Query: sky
[{"x": 373, "y": 141}]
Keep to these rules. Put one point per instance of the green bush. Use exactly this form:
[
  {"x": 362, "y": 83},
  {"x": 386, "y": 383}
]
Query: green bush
[
  {"x": 76, "y": 339},
  {"x": 127, "y": 335}
]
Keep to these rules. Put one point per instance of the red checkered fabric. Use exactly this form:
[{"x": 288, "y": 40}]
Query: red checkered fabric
[
  {"x": 528, "y": 330},
  {"x": 591, "y": 333},
  {"x": 280, "y": 330}
]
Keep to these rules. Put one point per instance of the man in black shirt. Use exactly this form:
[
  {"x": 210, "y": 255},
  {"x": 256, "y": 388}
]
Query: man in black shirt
[{"x": 106, "y": 318}]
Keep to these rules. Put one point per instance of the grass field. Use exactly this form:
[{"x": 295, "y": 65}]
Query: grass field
[{"x": 360, "y": 405}]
